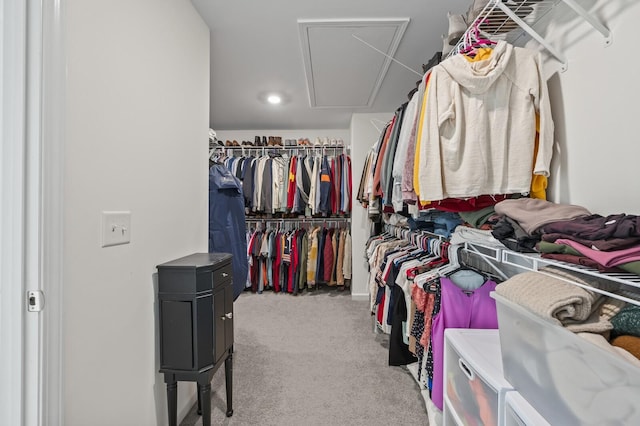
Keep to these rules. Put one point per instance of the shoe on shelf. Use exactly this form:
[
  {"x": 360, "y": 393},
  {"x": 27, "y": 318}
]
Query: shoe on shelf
[
  {"x": 235, "y": 143},
  {"x": 474, "y": 10},
  {"x": 256, "y": 140},
  {"x": 228, "y": 143},
  {"x": 339, "y": 142},
  {"x": 277, "y": 140},
  {"x": 457, "y": 27},
  {"x": 264, "y": 141}
]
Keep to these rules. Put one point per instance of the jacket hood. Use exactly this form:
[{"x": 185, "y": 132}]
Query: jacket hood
[
  {"x": 221, "y": 178},
  {"x": 478, "y": 77}
]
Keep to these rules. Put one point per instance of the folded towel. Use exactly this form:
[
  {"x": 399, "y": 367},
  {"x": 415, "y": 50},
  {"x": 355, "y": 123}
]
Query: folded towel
[{"x": 568, "y": 305}]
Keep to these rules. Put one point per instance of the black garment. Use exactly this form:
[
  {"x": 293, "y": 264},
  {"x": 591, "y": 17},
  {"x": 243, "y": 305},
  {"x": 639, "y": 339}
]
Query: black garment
[
  {"x": 322, "y": 235},
  {"x": 597, "y": 227},
  {"x": 417, "y": 329},
  {"x": 247, "y": 182},
  {"x": 399, "y": 353},
  {"x": 435, "y": 60},
  {"x": 509, "y": 233}
]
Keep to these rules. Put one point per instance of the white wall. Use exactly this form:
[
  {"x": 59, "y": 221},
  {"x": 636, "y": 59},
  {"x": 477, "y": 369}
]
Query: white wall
[
  {"x": 136, "y": 124},
  {"x": 595, "y": 107},
  {"x": 364, "y": 135}
]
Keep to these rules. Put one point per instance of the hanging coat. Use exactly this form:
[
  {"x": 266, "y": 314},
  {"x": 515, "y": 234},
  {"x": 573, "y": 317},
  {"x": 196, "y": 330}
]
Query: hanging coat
[{"x": 227, "y": 222}]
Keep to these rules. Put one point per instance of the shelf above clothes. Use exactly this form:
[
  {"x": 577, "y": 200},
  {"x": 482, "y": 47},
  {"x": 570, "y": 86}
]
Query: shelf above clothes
[
  {"x": 279, "y": 149},
  {"x": 534, "y": 262},
  {"x": 510, "y": 19}
]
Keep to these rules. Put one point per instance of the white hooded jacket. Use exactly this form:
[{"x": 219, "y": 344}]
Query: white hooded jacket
[{"x": 479, "y": 126}]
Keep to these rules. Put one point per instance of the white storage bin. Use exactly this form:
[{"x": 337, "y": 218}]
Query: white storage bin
[
  {"x": 567, "y": 379},
  {"x": 518, "y": 412},
  {"x": 474, "y": 385}
]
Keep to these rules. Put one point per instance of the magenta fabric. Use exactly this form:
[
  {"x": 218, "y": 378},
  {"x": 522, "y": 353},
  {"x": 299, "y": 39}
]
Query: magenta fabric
[
  {"x": 605, "y": 258},
  {"x": 458, "y": 309}
]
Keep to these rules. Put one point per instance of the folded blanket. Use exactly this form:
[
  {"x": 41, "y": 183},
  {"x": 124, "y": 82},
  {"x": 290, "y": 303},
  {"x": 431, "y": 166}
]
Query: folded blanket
[
  {"x": 532, "y": 213},
  {"x": 548, "y": 296}
]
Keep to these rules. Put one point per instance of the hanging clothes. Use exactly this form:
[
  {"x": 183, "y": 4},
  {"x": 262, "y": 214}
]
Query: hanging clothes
[
  {"x": 227, "y": 222},
  {"x": 289, "y": 261},
  {"x": 454, "y": 148},
  {"x": 499, "y": 161},
  {"x": 315, "y": 184},
  {"x": 458, "y": 309}
]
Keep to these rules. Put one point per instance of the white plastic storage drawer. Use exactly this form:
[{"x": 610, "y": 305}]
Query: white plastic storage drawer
[
  {"x": 518, "y": 412},
  {"x": 567, "y": 379},
  {"x": 474, "y": 387}
]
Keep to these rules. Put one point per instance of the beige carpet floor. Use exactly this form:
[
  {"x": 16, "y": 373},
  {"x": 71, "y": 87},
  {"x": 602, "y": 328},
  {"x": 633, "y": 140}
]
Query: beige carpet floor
[{"x": 312, "y": 359}]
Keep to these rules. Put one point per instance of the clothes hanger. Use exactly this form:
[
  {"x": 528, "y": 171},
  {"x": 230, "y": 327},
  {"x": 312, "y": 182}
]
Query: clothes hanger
[{"x": 473, "y": 41}]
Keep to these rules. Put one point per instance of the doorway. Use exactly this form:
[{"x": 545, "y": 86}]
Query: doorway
[{"x": 31, "y": 124}]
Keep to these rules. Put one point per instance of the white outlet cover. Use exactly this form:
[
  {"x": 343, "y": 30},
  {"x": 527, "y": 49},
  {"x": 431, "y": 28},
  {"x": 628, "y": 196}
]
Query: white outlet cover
[{"x": 116, "y": 228}]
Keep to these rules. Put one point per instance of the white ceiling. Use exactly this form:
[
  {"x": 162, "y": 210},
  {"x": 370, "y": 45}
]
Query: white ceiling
[{"x": 257, "y": 47}]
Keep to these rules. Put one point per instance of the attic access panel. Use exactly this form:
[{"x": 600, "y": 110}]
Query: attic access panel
[{"x": 342, "y": 71}]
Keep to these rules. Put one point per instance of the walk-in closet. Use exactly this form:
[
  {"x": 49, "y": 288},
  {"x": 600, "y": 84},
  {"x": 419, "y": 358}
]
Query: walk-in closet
[{"x": 305, "y": 213}]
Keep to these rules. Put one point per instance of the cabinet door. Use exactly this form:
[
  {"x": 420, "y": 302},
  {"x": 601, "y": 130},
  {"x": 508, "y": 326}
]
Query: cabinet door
[{"x": 220, "y": 319}]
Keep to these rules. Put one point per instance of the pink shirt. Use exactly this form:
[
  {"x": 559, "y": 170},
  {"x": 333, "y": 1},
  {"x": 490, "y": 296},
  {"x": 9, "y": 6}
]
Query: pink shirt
[{"x": 605, "y": 258}]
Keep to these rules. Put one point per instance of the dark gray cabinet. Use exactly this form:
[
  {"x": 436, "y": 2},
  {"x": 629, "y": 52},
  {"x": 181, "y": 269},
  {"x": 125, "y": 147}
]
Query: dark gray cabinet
[{"x": 195, "y": 324}]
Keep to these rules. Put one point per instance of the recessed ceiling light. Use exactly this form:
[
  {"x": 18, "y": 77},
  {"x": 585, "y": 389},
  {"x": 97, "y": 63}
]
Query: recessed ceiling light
[{"x": 274, "y": 99}]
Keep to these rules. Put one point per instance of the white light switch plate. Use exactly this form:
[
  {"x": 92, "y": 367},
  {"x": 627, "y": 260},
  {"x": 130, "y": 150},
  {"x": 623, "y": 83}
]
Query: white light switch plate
[{"x": 116, "y": 228}]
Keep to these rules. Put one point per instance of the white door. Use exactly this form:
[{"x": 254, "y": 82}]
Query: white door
[{"x": 31, "y": 85}]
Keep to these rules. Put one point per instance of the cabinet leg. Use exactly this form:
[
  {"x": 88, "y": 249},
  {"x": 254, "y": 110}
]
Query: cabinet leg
[
  {"x": 204, "y": 395},
  {"x": 172, "y": 403},
  {"x": 199, "y": 401},
  {"x": 228, "y": 378}
]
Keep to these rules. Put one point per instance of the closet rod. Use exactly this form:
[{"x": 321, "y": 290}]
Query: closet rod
[
  {"x": 472, "y": 249},
  {"x": 392, "y": 229},
  {"x": 283, "y": 148},
  {"x": 302, "y": 219}
]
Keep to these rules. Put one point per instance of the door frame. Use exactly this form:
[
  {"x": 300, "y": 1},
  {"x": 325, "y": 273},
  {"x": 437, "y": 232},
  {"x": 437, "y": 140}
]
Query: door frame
[
  {"x": 53, "y": 109},
  {"x": 32, "y": 118},
  {"x": 13, "y": 23}
]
